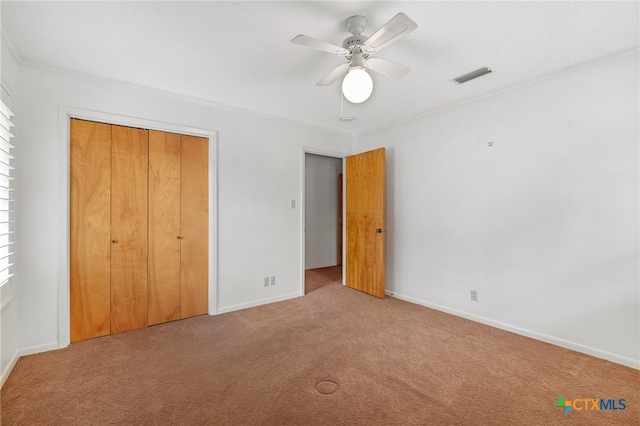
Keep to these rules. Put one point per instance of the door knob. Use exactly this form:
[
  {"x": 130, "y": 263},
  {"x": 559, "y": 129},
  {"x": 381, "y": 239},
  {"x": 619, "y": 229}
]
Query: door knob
[
  {"x": 380, "y": 231},
  {"x": 179, "y": 237},
  {"x": 114, "y": 241}
]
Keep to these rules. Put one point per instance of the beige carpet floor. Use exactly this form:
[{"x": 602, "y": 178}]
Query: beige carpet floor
[
  {"x": 333, "y": 357},
  {"x": 318, "y": 278}
]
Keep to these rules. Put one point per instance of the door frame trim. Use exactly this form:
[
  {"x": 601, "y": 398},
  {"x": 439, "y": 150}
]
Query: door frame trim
[
  {"x": 64, "y": 116},
  {"x": 303, "y": 179}
]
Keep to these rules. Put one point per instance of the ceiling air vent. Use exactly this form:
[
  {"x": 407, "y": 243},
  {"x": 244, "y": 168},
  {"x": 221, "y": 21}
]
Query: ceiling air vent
[{"x": 473, "y": 74}]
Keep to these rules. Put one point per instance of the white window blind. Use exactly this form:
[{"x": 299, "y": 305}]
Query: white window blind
[{"x": 6, "y": 197}]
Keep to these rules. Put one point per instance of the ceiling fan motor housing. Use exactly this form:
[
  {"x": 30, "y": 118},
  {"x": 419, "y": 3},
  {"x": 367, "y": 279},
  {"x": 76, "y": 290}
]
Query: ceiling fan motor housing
[
  {"x": 354, "y": 40},
  {"x": 355, "y": 25}
]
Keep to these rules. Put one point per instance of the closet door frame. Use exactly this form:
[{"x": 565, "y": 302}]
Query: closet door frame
[{"x": 65, "y": 114}]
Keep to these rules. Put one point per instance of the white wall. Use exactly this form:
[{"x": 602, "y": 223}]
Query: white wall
[
  {"x": 9, "y": 70},
  {"x": 544, "y": 224},
  {"x": 259, "y": 173},
  {"x": 321, "y": 210}
]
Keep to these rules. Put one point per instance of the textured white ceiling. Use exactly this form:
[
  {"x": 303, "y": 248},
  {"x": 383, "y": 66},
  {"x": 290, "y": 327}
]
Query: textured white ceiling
[{"x": 239, "y": 54}]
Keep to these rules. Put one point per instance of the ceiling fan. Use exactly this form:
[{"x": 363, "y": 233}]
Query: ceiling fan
[{"x": 357, "y": 84}]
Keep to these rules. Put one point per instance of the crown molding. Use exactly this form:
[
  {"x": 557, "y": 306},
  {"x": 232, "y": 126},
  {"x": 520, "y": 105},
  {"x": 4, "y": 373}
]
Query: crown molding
[
  {"x": 12, "y": 47},
  {"x": 176, "y": 96}
]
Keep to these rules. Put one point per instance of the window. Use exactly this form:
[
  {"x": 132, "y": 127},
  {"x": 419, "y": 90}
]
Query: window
[{"x": 6, "y": 198}]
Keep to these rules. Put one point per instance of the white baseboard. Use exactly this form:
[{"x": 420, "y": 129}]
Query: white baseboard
[
  {"x": 7, "y": 371},
  {"x": 258, "y": 303},
  {"x": 23, "y": 352},
  {"x": 598, "y": 353},
  {"x": 7, "y": 301},
  {"x": 38, "y": 348}
]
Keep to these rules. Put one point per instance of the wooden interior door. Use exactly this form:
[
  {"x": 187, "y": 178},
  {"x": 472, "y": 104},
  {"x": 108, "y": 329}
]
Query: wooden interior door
[
  {"x": 164, "y": 227},
  {"x": 90, "y": 229},
  {"x": 340, "y": 220},
  {"x": 365, "y": 256},
  {"x": 129, "y": 186},
  {"x": 194, "y": 194}
]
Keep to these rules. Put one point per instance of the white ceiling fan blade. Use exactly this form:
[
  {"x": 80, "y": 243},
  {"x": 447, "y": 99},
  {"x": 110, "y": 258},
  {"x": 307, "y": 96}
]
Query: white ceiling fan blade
[
  {"x": 337, "y": 72},
  {"x": 319, "y": 44},
  {"x": 385, "y": 67},
  {"x": 398, "y": 27}
]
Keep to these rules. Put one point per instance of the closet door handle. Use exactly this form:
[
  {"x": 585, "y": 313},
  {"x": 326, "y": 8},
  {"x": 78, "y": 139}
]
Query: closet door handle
[
  {"x": 114, "y": 241},
  {"x": 179, "y": 237}
]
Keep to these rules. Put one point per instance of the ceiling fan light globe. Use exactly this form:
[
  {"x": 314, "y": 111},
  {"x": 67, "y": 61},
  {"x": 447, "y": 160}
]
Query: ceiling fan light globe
[{"x": 357, "y": 85}]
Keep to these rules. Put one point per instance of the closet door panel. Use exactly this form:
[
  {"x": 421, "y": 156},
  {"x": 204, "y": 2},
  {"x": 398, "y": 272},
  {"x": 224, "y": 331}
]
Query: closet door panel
[
  {"x": 164, "y": 227},
  {"x": 194, "y": 196},
  {"x": 90, "y": 246},
  {"x": 129, "y": 196}
]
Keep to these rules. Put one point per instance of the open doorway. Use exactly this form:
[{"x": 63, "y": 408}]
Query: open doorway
[{"x": 323, "y": 221}]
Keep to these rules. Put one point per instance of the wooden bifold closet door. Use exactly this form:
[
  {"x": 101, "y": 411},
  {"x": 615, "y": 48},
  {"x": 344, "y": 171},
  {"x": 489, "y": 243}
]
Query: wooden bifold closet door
[
  {"x": 90, "y": 230},
  {"x": 194, "y": 224},
  {"x": 129, "y": 181},
  {"x": 139, "y": 228},
  {"x": 178, "y": 219},
  {"x": 164, "y": 227}
]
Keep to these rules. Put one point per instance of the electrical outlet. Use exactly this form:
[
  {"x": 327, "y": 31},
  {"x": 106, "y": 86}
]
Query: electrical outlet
[
  {"x": 474, "y": 295},
  {"x": 266, "y": 281},
  {"x": 273, "y": 280}
]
